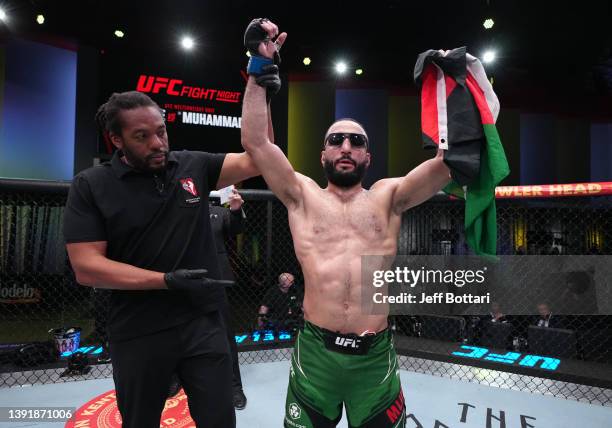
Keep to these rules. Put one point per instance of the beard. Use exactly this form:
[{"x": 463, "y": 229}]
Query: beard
[
  {"x": 341, "y": 178},
  {"x": 143, "y": 164}
]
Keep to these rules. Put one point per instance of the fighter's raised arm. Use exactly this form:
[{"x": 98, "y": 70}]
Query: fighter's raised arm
[
  {"x": 420, "y": 184},
  {"x": 262, "y": 84}
]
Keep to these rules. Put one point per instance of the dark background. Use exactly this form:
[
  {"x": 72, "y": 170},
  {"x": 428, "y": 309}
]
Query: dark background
[
  {"x": 552, "y": 58},
  {"x": 543, "y": 44}
]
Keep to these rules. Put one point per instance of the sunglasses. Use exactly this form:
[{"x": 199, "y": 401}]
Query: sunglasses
[{"x": 337, "y": 138}]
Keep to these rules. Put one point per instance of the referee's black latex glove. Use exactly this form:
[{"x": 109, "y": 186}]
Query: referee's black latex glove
[{"x": 191, "y": 280}]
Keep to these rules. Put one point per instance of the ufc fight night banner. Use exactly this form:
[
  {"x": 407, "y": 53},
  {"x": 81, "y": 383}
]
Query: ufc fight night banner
[{"x": 202, "y": 97}]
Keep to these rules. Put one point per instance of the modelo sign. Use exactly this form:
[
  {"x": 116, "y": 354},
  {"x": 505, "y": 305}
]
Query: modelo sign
[{"x": 19, "y": 294}]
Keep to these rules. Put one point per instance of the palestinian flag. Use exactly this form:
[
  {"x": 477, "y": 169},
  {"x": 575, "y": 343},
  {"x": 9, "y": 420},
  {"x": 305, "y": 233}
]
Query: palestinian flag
[{"x": 458, "y": 114}]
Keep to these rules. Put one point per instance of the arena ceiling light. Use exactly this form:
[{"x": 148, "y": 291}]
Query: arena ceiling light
[
  {"x": 341, "y": 67},
  {"x": 307, "y": 61},
  {"x": 488, "y": 57},
  {"x": 187, "y": 43},
  {"x": 359, "y": 71},
  {"x": 488, "y": 23},
  {"x": 248, "y": 54},
  {"x": 40, "y": 18},
  {"x": 119, "y": 33},
  {"x": 3, "y": 16}
]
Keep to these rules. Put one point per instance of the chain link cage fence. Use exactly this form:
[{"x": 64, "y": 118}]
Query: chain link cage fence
[{"x": 52, "y": 329}]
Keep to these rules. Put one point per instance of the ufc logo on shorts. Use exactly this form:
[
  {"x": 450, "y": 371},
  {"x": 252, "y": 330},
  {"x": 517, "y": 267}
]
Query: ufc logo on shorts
[{"x": 347, "y": 342}]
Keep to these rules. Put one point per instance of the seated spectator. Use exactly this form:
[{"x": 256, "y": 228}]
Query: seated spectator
[
  {"x": 496, "y": 314},
  {"x": 475, "y": 324},
  {"x": 546, "y": 318},
  {"x": 281, "y": 308}
]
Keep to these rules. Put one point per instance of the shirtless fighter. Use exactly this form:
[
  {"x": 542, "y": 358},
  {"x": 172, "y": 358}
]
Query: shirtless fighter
[{"x": 342, "y": 356}]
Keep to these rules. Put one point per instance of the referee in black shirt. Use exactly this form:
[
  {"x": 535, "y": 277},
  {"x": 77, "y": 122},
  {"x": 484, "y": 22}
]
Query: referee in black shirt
[{"x": 140, "y": 225}]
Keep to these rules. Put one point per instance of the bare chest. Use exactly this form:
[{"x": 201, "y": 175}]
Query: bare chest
[{"x": 333, "y": 219}]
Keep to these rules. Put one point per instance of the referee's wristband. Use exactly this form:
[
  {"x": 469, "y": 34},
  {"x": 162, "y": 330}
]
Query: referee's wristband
[{"x": 256, "y": 62}]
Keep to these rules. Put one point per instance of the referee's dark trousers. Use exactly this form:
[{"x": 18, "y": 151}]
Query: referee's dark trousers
[{"x": 197, "y": 351}]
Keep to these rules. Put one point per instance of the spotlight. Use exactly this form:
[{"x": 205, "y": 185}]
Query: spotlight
[
  {"x": 2, "y": 15},
  {"x": 119, "y": 33},
  {"x": 488, "y": 23},
  {"x": 187, "y": 43},
  {"x": 359, "y": 72},
  {"x": 40, "y": 18},
  {"x": 306, "y": 61},
  {"x": 341, "y": 67},
  {"x": 488, "y": 57},
  {"x": 248, "y": 54}
]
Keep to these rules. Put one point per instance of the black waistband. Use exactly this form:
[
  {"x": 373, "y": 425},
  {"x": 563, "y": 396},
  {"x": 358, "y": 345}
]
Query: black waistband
[
  {"x": 326, "y": 331},
  {"x": 349, "y": 343}
]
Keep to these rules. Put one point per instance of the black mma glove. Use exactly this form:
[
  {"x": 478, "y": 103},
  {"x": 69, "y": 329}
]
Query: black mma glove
[
  {"x": 263, "y": 69},
  {"x": 254, "y": 35},
  {"x": 269, "y": 80},
  {"x": 191, "y": 280}
]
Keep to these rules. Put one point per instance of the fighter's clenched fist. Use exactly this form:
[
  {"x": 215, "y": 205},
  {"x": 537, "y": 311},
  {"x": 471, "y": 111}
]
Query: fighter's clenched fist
[
  {"x": 259, "y": 39},
  {"x": 263, "y": 42}
]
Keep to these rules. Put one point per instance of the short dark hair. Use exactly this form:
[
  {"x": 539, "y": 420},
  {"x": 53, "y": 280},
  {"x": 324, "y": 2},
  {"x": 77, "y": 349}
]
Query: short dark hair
[
  {"x": 108, "y": 117},
  {"x": 348, "y": 119}
]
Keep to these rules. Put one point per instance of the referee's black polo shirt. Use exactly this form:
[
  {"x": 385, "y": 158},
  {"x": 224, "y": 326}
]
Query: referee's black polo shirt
[{"x": 160, "y": 224}]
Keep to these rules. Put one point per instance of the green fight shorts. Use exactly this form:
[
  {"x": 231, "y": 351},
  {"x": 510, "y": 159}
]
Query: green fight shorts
[{"x": 330, "y": 369}]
